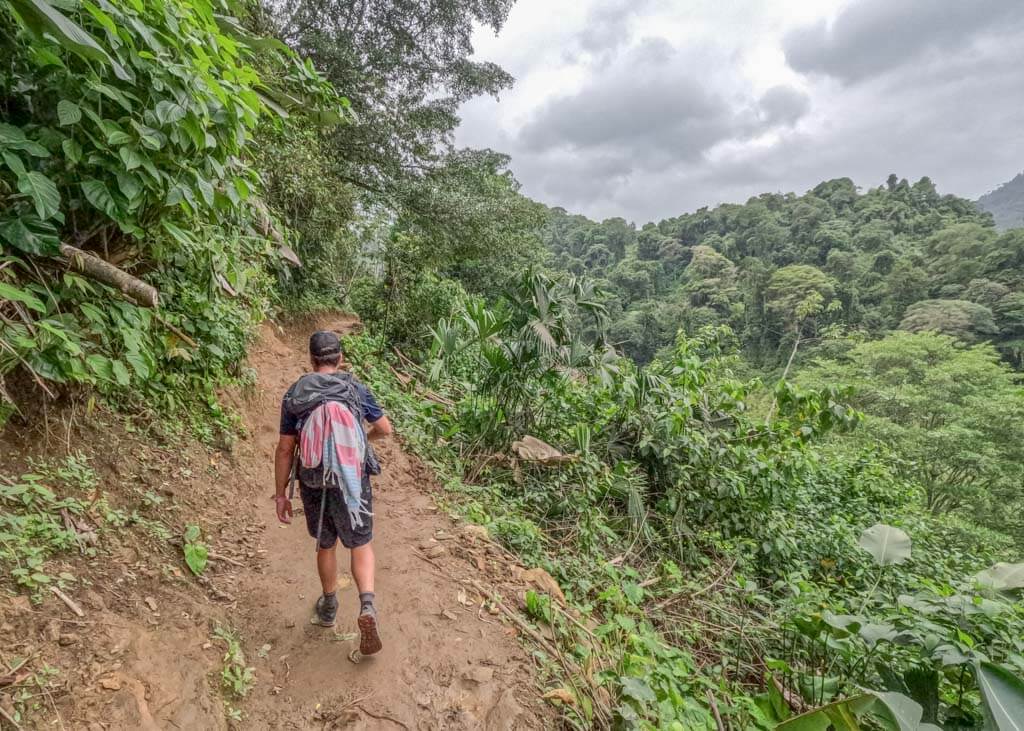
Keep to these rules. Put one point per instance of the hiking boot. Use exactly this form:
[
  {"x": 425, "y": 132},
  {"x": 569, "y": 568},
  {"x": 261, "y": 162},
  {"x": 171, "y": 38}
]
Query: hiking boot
[
  {"x": 326, "y": 610},
  {"x": 369, "y": 640}
]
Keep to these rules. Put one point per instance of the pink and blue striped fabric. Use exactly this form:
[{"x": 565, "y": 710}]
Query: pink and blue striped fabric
[{"x": 332, "y": 437}]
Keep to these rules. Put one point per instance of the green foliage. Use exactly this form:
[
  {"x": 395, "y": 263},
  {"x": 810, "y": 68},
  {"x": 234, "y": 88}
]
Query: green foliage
[
  {"x": 406, "y": 70},
  {"x": 951, "y": 415},
  {"x": 1003, "y": 695},
  {"x": 521, "y": 348},
  {"x": 195, "y": 551},
  {"x": 968, "y": 322},
  {"x": 32, "y": 529},
  {"x": 886, "y": 544},
  {"x": 427, "y": 212},
  {"x": 126, "y": 132},
  {"x": 678, "y": 486},
  {"x": 237, "y": 678},
  {"x": 48, "y": 512},
  {"x": 895, "y": 256}
]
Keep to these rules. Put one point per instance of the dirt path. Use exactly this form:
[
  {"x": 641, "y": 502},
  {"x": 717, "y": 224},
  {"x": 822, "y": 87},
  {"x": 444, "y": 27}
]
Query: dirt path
[
  {"x": 442, "y": 665},
  {"x": 144, "y": 652}
]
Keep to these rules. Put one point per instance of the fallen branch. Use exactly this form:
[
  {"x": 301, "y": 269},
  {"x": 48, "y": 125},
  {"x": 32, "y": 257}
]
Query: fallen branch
[
  {"x": 794, "y": 701},
  {"x": 519, "y": 621},
  {"x": 572, "y": 670},
  {"x": 724, "y": 575},
  {"x": 714, "y": 710},
  {"x": 35, "y": 376},
  {"x": 181, "y": 336},
  {"x": 408, "y": 362},
  {"x": 68, "y": 601},
  {"x": 96, "y": 268},
  {"x": 213, "y": 556},
  {"x": 381, "y": 716}
]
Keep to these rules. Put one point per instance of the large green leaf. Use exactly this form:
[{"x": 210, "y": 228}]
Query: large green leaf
[
  {"x": 13, "y": 162},
  {"x": 839, "y": 715},
  {"x": 38, "y": 239},
  {"x": 167, "y": 112},
  {"x": 72, "y": 150},
  {"x": 13, "y": 294},
  {"x": 68, "y": 113},
  {"x": 121, "y": 374},
  {"x": 43, "y": 193},
  {"x": 14, "y": 138},
  {"x": 196, "y": 557},
  {"x": 898, "y": 712},
  {"x": 97, "y": 193},
  {"x": 1002, "y": 577},
  {"x": 894, "y": 711},
  {"x": 42, "y": 18},
  {"x": 888, "y": 545},
  {"x": 1002, "y": 694},
  {"x": 230, "y": 26}
]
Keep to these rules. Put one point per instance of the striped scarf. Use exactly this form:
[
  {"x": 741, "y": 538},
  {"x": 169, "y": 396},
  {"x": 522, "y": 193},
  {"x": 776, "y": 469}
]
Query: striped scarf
[{"x": 332, "y": 437}]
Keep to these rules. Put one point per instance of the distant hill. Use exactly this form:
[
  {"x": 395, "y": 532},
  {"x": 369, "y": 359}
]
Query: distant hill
[
  {"x": 1006, "y": 203},
  {"x": 899, "y": 256}
]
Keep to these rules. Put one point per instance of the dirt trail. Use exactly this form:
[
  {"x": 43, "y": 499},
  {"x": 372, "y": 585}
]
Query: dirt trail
[
  {"x": 144, "y": 655},
  {"x": 434, "y": 671}
]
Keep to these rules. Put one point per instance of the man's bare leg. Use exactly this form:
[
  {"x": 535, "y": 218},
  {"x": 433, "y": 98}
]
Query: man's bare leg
[
  {"x": 327, "y": 567},
  {"x": 362, "y": 567}
]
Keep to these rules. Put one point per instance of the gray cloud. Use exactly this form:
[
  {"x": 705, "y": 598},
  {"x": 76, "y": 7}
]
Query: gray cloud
[
  {"x": 607, "y": 25},
  {"x": 784, "y": 105},
  {"x": 641, "y": 117},
  {"x": 874, "y": 36},
  {"x": 652, "y": 129}
]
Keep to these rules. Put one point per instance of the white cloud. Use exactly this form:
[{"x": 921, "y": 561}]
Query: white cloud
[{"x": 650, "y": 108}]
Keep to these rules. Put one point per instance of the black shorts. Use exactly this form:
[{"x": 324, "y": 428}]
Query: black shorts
[{"x": 337, "y": 522}]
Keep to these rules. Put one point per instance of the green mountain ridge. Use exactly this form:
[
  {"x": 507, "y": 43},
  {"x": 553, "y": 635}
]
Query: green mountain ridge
[
  {"x": 783, "y": 268},
  {"x": 1006, "y": 203}
]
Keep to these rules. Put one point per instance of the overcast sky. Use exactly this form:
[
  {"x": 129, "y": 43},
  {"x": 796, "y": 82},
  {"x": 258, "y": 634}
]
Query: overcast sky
[{"x": 651, "y": 108}]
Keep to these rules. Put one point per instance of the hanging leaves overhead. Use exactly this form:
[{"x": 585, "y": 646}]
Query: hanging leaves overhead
[{"x": 125, "y": 122}]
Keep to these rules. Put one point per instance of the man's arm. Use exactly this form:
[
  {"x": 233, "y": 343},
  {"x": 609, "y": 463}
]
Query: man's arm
[
  {"x": 379, "y": 429},
  {"x": 282, "y": 472}
]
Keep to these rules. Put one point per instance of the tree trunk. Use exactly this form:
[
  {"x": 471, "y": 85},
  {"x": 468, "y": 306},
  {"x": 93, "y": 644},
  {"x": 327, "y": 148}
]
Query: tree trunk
[{"x": 96, "y": 268}]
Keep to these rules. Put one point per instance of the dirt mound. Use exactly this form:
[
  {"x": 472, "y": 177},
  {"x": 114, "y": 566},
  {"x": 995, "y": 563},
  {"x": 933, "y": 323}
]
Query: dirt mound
[{"x": 144, "y": 654}]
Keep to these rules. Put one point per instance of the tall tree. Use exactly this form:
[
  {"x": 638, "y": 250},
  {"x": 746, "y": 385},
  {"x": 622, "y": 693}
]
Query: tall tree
[{"x": 406, "y": 67}]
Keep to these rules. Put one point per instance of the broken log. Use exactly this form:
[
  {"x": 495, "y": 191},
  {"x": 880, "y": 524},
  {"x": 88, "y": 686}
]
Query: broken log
[{"x": 96, "y": 268}]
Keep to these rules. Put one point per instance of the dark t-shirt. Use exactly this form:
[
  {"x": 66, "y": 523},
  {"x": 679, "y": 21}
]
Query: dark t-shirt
[{"x": 371, "y": 410}]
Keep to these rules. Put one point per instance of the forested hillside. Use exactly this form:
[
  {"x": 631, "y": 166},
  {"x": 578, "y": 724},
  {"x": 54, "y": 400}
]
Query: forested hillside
[
  {"x": 780, "y": 269},
  {"x": 764, "y": 460},
  {"x": 1006, "y": 203}
]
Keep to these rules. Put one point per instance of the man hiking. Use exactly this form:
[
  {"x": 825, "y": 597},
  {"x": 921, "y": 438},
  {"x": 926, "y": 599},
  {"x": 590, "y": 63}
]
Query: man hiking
[{"x": 325, "y": 445}]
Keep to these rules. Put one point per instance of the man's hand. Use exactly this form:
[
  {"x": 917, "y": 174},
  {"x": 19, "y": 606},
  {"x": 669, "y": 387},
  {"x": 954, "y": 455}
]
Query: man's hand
[{"x": 284, "y": 508}]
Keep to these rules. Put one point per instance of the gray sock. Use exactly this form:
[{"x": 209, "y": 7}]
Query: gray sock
[{"x": 366, "y": 603}]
